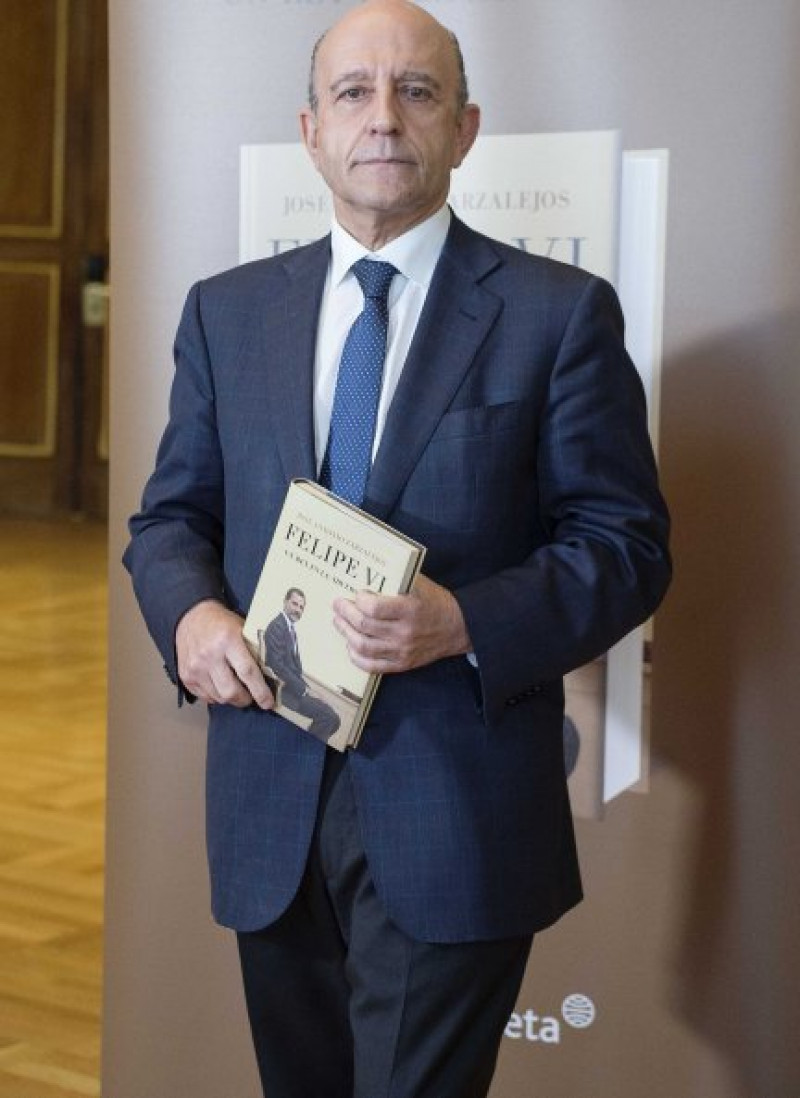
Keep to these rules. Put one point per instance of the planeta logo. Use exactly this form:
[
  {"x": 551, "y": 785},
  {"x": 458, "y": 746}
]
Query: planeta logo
[{"x": 577, "y": 1011}]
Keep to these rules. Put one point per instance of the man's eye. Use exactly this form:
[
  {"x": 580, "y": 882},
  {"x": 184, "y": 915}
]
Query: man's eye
[
  {"x": 417, "y": 92},
  {"x": 352, "y": 94}
]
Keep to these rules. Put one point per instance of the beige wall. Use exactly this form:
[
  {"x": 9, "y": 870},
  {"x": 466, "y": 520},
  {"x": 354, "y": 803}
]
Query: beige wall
[{"x": 687, "y": 942}]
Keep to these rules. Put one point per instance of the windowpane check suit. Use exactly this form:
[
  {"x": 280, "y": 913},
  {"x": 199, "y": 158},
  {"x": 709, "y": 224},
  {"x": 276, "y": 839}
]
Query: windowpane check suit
[{"x": 516, "y": 450}]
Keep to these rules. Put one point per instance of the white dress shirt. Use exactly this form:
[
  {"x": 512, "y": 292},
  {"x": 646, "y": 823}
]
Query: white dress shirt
[{"x": 415, "y": 255}]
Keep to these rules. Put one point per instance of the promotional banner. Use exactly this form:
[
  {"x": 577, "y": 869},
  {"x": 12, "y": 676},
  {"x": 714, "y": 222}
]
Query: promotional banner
[
  {"x": 663, "y": 982},
  {"x": 576, "y": 198},
  {"x": 554, "y": 194}
]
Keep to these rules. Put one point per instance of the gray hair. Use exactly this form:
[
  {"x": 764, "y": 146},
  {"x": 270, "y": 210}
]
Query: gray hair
[{"x": 463, "y": 86}]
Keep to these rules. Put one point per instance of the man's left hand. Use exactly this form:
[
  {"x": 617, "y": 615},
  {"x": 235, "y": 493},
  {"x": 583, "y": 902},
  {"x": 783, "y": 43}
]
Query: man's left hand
[{"x": 386, "y": 633}]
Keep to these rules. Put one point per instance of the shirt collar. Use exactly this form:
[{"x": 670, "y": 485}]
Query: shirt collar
[{"x": 415, "y": 253}]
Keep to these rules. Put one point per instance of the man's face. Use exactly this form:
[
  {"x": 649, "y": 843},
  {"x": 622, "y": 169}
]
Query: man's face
[
  {"x": 294, "y": 606},
  {"x": 387, "y": 129}
]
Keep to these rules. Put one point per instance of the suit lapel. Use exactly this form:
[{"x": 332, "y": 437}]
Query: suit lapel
[
  {"x": 457, "y": 316},
  {"x": 289, "y": 334}
]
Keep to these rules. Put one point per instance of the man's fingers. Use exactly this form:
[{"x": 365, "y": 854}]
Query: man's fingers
[
  {"x": 237, "y": 678},
  {"x": 399, "y": 632},
  {"x": 214, "y": 662},
  {"x": 378, "y": 616},
  {"x": 249, "y": 674},
  {"x": 380, "y": 630},
  {"x": 371, "y": 653},
  {"x": 227, "y": 687},
  {"x": 385, "y": 608}
]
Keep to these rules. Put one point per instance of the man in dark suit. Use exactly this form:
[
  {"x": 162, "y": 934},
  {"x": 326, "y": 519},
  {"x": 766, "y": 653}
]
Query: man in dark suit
[
  {"x": 385, "y": 900},
  {"x": 283, "y": 657}
]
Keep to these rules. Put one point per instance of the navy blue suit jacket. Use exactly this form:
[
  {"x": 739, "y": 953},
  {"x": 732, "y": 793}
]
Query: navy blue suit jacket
[{"x": 516, "y": 450}]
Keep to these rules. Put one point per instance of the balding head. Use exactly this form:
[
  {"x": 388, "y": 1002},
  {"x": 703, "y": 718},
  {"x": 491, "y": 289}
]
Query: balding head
[
  {"x": 388, "y": 118},
  {"x": 462, "y": 93}
]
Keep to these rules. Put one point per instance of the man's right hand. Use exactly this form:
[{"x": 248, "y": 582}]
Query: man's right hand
[{"x": 214, "y": 663}]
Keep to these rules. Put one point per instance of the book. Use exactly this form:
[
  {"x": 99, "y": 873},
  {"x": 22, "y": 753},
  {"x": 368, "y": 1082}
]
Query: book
[{"x": 322, "y": 548}]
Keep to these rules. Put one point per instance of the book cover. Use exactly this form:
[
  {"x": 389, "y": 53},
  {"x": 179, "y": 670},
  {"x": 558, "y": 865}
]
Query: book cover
[{"x": 322, "y": 548}]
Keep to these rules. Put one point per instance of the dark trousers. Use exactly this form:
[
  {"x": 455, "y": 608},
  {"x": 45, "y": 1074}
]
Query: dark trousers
[{"x": 343, "y": 1004}]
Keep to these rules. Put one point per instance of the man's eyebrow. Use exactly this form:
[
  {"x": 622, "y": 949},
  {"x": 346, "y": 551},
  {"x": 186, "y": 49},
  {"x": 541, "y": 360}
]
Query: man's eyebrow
[
  {"x": 404, "y": 77},
  {"x": 418, "y": 78},
  {"x": 349, "y": 77}
]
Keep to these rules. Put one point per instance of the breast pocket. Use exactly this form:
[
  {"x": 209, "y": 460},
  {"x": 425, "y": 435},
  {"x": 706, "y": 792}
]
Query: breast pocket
[
  {"x": 481, "y": 421},
  {"x": 474, "y": 465}
]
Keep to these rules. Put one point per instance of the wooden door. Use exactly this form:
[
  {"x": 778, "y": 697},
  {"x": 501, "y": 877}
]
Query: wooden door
[{"x": 53, "y": 239}]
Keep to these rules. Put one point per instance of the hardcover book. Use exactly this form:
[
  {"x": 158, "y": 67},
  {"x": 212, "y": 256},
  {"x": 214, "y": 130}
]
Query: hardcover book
[{"x": 322, "y": 548}]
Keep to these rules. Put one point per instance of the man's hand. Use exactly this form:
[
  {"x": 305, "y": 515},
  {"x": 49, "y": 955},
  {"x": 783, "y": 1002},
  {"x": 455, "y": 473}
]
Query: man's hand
[
  {"x": 386, "y": 633},
  {"x": 214, "y": 663}
]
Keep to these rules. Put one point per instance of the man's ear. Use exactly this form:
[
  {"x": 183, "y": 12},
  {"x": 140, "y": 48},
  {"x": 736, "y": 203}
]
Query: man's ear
[
  {"x": 468, "y": 126},
  {"x": 308, "y": 130}
]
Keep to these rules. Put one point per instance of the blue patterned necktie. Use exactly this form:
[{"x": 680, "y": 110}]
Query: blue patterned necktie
[{"x": 348, "y": 455}]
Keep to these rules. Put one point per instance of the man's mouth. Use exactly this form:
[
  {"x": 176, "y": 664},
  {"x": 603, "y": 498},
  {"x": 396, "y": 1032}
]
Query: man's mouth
[{"x": 379, "y": 160}]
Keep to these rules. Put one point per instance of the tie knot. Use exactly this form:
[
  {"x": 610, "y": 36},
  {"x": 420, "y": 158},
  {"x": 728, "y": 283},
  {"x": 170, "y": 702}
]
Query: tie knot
[{"x": 374, "y": 277}]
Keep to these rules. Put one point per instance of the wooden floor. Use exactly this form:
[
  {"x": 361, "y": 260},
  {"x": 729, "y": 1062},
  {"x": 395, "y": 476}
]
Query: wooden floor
[{"x": 52, "y": 783}]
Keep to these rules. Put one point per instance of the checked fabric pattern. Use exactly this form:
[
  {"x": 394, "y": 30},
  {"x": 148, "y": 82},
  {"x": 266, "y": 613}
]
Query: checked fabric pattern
[{"x": 348, "y": 454}]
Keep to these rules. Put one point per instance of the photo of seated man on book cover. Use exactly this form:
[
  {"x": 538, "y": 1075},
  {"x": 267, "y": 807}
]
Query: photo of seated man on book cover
[{"x": 281, "y": 656}]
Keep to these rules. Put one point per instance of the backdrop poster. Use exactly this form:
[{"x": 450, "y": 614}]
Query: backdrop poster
[
  {"x": 568, "y": 196},
  {"x": 553, "y": 194}
]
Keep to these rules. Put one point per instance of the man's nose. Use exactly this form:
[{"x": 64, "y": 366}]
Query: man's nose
[{"x": 385, "y": 116}]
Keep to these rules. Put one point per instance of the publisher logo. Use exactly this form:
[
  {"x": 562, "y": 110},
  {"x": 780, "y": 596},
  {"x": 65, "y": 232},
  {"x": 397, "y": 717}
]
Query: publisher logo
[{"x": 578, "y": 1011}]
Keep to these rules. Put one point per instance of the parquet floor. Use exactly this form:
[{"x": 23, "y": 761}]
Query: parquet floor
[{"x": 52, "y": 785}]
